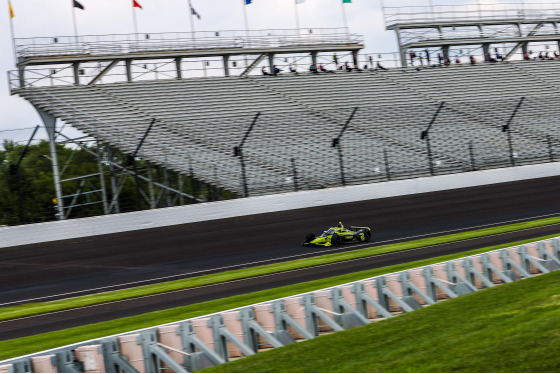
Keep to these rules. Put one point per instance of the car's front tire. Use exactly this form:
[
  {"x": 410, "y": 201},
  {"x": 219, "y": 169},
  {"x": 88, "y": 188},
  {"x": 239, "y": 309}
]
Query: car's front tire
[
  {"x": 335, "y": 240},
  {"x": 367, "y": 236}
]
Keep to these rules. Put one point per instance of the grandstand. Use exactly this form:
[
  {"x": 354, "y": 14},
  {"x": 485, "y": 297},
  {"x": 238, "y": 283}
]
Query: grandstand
[
  {"x": 200, "y": 121},
  {"x": 254, "y": 134}
]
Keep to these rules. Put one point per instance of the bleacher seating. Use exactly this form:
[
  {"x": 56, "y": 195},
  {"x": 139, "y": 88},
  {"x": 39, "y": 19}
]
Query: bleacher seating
[{"x": 200, "y": 120}]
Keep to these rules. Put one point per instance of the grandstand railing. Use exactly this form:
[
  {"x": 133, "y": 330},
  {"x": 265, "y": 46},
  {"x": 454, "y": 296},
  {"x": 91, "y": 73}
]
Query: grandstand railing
[
  {"x": 150, "y": 42},
  {"x": 470, "y": 12}
]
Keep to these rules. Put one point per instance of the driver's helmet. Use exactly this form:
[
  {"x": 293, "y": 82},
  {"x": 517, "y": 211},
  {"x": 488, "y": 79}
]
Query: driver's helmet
[{"x": 340, "y": 225}]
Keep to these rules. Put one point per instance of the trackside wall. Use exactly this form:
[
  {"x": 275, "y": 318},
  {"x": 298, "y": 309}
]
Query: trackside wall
[{"x": 101, "y": 225}]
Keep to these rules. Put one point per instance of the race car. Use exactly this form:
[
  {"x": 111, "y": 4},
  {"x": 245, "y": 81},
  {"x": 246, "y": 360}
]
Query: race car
[{"x": 339, "y": 234}]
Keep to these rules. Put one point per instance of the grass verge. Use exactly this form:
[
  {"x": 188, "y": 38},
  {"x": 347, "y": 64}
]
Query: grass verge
[
  {"x": 22, "y": 346},
  {"x": 32, "y": 309},
  {"x": 511, "y": 328}
]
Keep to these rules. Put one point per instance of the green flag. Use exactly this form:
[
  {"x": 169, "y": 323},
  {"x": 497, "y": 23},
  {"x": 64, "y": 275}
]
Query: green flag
[{"x": 346, "y": 1}]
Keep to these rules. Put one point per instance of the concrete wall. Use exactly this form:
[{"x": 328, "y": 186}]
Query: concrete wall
[{"x": 83, "y": 227}]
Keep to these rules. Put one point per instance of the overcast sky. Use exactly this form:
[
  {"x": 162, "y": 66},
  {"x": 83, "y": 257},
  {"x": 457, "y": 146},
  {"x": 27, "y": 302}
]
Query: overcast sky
[{"x": 54, "y": 18}]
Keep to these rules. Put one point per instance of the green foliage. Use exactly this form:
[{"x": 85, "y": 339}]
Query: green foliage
[{"x": 38, "y": 191}]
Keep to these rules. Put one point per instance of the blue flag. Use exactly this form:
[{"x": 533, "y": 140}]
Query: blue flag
[
  {"x": 194, "y": 12},
  {"x": 247, "y": 2}
]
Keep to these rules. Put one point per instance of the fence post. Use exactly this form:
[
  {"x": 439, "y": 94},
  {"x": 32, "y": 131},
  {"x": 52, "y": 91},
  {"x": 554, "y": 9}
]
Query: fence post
[
  {"x": 426, "y": 135},
  {"x": 471, "y": 152},
  {"x": 336, "y": 144},
  {"x": 387, "y": 168},
  {"x": 550, "y": 151},
  {"x": 295, "y": 176},
  {"x": 506, "y": 128}
]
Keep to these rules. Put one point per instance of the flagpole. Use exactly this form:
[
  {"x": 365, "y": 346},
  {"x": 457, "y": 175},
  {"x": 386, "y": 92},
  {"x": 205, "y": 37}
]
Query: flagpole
[
  {"x": 74, "y": 20},
  {"x": 134, "y": 20},
  {"x": 344, "y": 16},
  {"x": 297, "y": 16},
  {"x": 12, "y": 32},
  {"x": 191, "y": 18},
  {"x": 246, "y": 21}
]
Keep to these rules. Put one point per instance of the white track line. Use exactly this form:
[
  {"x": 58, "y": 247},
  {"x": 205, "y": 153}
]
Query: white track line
[
  {"x": 356, "y": 246},
  {"x": 256, "y": 277}
]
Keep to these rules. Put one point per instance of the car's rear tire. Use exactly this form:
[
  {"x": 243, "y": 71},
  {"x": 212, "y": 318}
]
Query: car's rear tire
[
  {"x": 335, "y": 240},
  {"x": 310, "y": 237},
  {"x": 367, "y": 236}
]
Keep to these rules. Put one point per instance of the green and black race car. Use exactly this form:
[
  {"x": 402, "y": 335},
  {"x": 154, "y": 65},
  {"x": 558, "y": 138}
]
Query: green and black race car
[{"x": 336, "y": 235}]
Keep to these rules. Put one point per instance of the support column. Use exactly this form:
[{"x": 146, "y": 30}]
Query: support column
[
  {"x": 271, "y": 62},
  {"x": 128, "y": 64},
  {"x": 445, "y": 50},
  {"x": 525, "y": 47},
  {"x": 50, "y": 125},
  {"x": 113, "y": 180},
  {"x": 178, "y": 62},
  {"x": 402, "y": 50},
  {"x": 21, "y": 69},
  {"x": 314, "y": 57},
  {"x": 102, "y": 178},
  {"x": 486, "y": 51},
  {"x": 226, "y": 65},
  {"x": 76, "y": 69}
]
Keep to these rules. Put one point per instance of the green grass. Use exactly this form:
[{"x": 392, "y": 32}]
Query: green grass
[
  {"x": 31, "y": 309},
  {"x": 18, "y": 347},
  {"x": 511, "y": 328}
]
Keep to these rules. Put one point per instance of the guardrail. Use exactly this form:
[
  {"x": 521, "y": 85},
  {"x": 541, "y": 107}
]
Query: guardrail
[
  {"x": 153, "y": 42},
  {"x": 469, "y": 12},
  {"x": 206, "y": 341}
]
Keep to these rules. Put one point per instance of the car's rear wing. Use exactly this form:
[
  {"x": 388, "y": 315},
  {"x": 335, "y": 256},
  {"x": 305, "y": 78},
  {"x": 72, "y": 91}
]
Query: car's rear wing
[{"x": 356, "y": 228}]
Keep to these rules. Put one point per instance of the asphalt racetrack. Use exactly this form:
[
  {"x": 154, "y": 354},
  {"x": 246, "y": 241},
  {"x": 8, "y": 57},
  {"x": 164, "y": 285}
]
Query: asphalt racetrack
[
  {"x": 75, "y": 265},
  {"x": 58, "y": 269}
]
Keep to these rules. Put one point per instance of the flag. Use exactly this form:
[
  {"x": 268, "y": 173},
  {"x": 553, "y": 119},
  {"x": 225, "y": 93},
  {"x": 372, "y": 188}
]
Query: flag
[
  {"x": 78, "y": 5},
  {"x": 135, "y": 4},
  {"x": 247, "y": 2},
  {"x": 195, "y": 13},
  {"x": 11, "y": 9},
  {"x": 346, "y": 1},
  {"x": 300, "y": 1}
]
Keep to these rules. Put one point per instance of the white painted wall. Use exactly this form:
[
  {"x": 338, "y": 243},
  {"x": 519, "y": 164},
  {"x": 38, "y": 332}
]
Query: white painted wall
[{"x": 83, "y": 227}]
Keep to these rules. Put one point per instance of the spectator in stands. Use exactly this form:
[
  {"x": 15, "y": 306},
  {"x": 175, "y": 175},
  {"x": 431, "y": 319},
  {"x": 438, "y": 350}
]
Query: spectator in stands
[
  {"x": 347, "y": 67},
  {"x": 557, "y": 55},
  {"x": 421, "y": 59},
  {"x": 292, "y": 70},
  {"x": 446, "y": 61},
  {"x": 380, "y": 67},
  {"x": 541, "y": 56},
  {"x": 472, "y": 60},
  {"x": 412, "y": 55},
  {"x": 324, "y": 70},
  {"x": 275, "y": 70},
  {"x": 526, "y": 56},
  {"x": 440, "y": 59},
  {"x": 458, "y": 61},
  {"x": 335, "y": 60},
  {"x": 427, "y": 56},
  {"x": 264, "y": 72},
  {"x": 313, "y": 68},
  {"x": 499, "y": 57},
  {"x": 371, "y": 62}
]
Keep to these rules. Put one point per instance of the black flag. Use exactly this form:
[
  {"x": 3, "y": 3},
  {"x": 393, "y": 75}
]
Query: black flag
[{"x": 78, "y": 5}]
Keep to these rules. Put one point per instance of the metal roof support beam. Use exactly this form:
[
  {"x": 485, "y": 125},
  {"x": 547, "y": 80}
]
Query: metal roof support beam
[
  {"x": 104, "y": 72},
  {"x": 271, "y": 62},
  {"x": 178, "y": 63},
  {"x": 50, "y": 125},
  {"x": 226, "y": 65},
  {"x": 76, "y": 70},
  {"x": 128, "y": 66}
]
